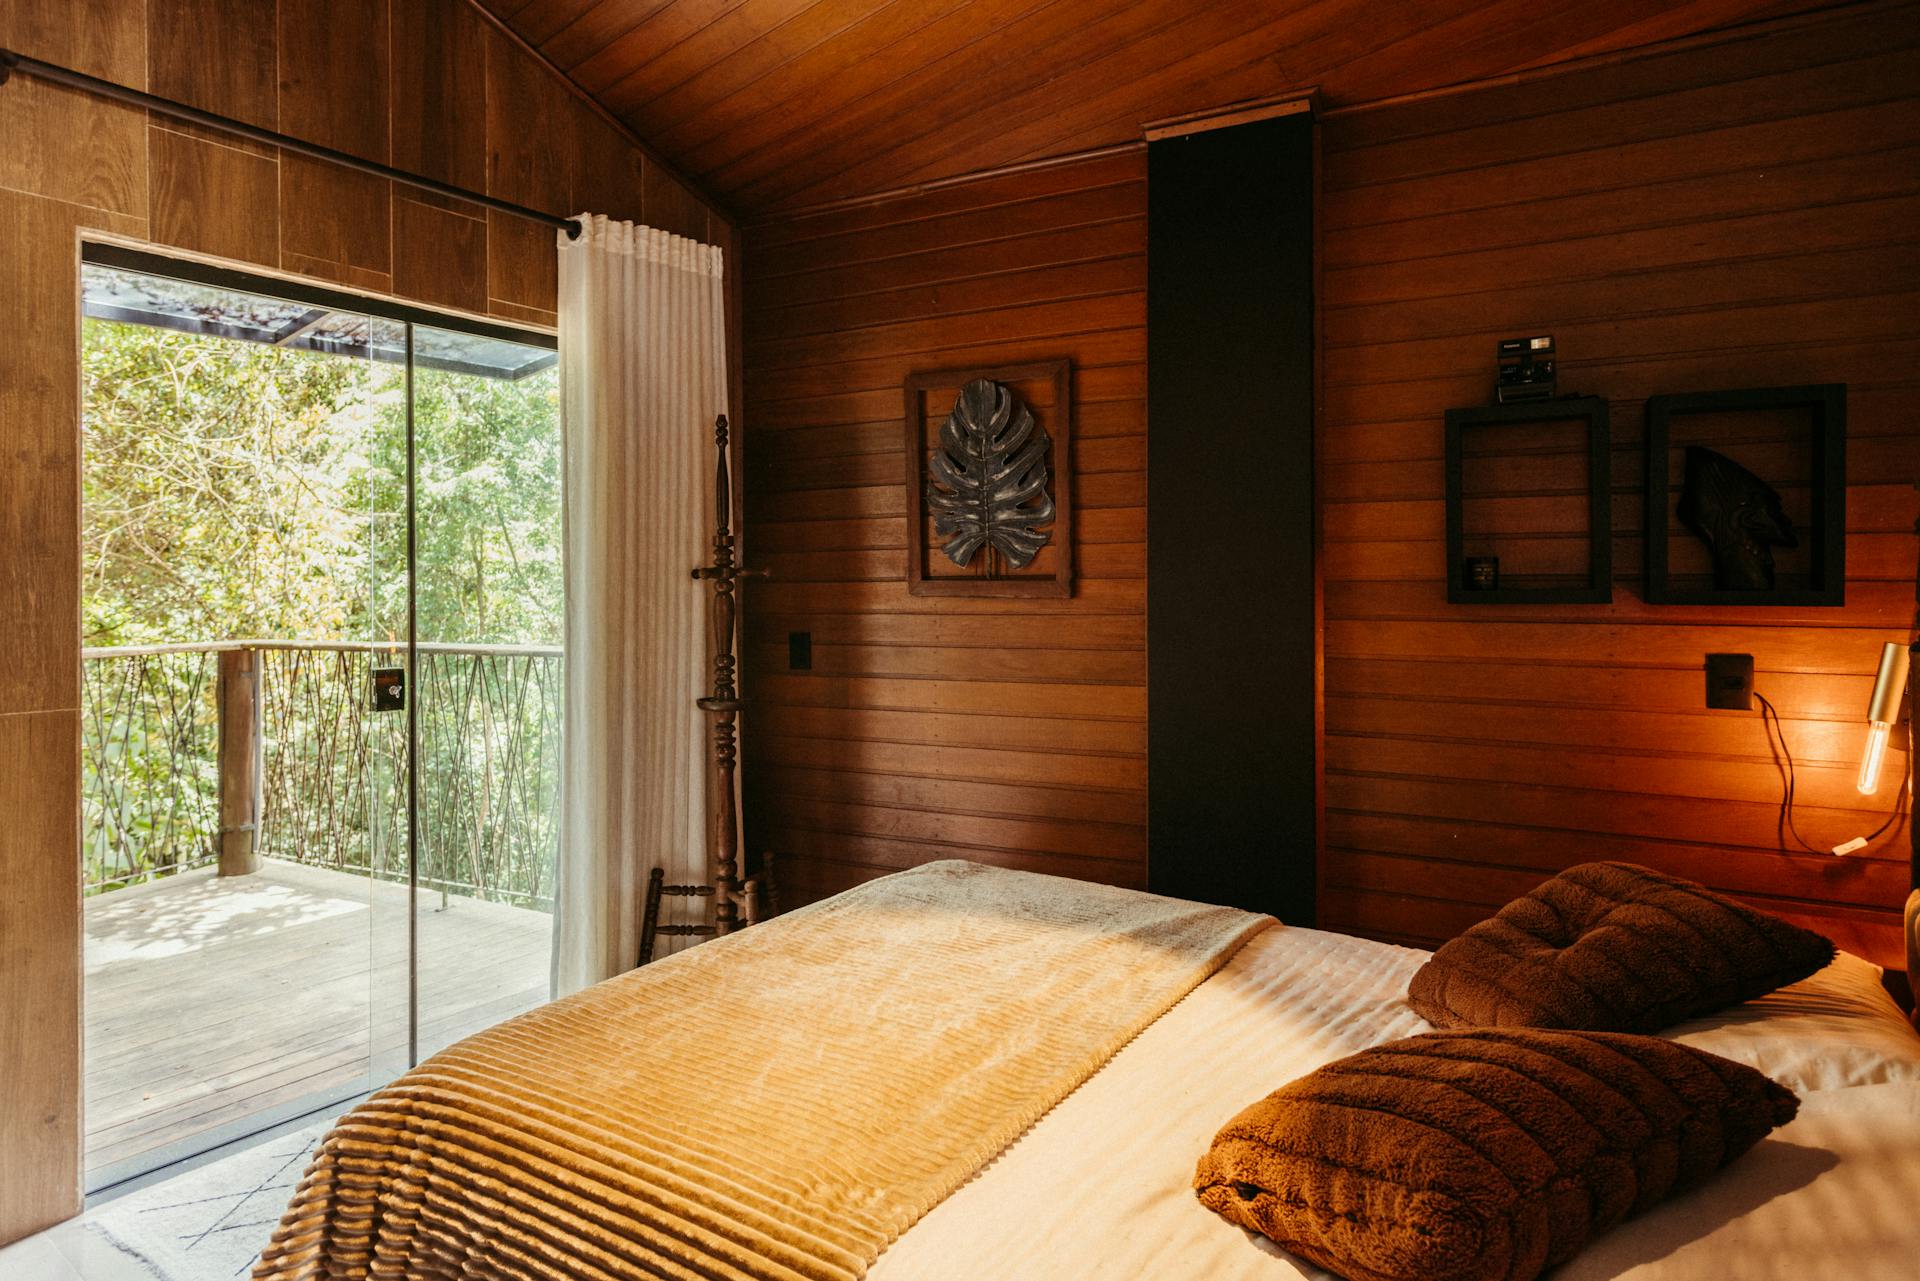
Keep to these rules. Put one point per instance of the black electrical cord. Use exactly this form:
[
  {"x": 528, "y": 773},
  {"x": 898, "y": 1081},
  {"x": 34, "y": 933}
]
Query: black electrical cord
[{"x": 1770, "y": 722}]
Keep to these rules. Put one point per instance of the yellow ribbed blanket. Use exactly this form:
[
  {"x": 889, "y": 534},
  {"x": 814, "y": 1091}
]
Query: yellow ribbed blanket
[{"x": 778, "y": 1104}]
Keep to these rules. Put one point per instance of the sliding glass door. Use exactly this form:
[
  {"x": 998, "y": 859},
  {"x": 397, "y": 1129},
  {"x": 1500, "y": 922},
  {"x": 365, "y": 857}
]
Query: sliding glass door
[
  {"x": 487, "y": 693},
  {"x": 322, "y": 676}
]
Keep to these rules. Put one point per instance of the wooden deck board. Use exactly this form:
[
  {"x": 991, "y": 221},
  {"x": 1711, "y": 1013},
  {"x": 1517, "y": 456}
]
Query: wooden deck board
[{"x": 211, "y": 999}]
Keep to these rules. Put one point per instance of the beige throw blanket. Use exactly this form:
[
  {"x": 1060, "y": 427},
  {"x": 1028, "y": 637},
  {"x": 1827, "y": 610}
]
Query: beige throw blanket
[{"x": 781, "y": 1103}]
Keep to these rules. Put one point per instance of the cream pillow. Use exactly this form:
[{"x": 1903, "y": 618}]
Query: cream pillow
[{"x": 1835, "y": 1028}]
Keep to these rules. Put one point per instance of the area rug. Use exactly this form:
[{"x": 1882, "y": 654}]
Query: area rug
[{"x": 208, "y": 1224}]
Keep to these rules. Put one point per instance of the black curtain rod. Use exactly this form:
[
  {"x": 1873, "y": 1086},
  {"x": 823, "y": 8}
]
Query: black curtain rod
[{"x": 11, "y": 62}]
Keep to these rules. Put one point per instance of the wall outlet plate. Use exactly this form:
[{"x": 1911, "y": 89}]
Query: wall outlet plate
[
  {"x": 1730, "y": 682},
  {"x": 799, "y": 651}
]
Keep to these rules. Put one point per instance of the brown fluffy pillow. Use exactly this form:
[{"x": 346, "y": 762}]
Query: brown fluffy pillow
[
  {"x": 1489, "y": 1154},
  {"x": 1612, "y": 947}
]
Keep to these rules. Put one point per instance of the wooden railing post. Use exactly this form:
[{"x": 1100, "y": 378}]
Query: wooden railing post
[{"x": 240, "y": 753}]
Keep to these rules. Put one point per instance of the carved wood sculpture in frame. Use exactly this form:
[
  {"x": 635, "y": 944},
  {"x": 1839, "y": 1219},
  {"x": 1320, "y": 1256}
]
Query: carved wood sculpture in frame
[
  {"x": 1816, "y": 444},
  {"x": 1045, "y": 389}
]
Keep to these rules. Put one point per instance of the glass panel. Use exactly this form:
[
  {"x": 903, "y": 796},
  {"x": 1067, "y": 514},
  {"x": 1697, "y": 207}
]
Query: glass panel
[
  {"x": 457, "y": 353},
  {"x": 137, "y": 297},
  {"x": 487, "y": 463},
  {"x": 134, "y": 297},
  {"x": 227, "y": 813},
  {"x": 273, "y": 489},
  {"x": 386, "y": 687}
]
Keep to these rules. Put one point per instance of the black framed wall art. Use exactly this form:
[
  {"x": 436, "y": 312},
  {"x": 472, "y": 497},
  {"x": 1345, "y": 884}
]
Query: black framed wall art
[
  {"x": 1529, "y": 510},
  {"x": 1746, "y": 496}
]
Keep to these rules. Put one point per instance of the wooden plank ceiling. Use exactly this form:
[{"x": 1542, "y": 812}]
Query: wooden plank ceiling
[{"x": 771, "y": 104}]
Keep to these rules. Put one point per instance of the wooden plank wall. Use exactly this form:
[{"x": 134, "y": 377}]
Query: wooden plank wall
[
  {"x": 422, "y": 83},
  {"x": 1732, "y": 214},
  {"x": 1746, "y": 214},
  {"x": 1012, "y": 732}
]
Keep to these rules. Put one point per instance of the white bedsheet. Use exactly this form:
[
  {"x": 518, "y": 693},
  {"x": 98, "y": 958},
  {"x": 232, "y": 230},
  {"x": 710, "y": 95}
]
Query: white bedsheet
[{"x": 1100, "y": 1188}]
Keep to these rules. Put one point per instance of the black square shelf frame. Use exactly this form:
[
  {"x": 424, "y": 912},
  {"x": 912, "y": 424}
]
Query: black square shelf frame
[
  {"x": 1826, "y": 404},
  {"x": 1593, "y": 411}
]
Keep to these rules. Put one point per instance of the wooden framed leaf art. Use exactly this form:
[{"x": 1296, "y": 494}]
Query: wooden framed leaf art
[{"x": 989, "y": 499}]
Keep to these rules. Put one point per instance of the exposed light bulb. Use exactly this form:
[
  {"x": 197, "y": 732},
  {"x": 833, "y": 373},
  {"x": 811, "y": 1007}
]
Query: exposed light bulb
[
  {"x": 1874, "y": 756},
  {"x": 1883, "y": 709}
]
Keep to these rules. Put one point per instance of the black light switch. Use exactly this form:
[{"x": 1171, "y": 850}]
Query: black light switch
[
  {"x": 799, "y": 651},
  {"x": 1730, "y": 682}
]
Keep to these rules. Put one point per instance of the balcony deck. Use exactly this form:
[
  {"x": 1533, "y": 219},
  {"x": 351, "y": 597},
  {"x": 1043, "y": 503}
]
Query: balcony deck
[{"x": 214, "y": 1002}]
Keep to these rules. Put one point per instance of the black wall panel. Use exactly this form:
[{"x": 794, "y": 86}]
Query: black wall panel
[{"x": 1230, "y": 532}]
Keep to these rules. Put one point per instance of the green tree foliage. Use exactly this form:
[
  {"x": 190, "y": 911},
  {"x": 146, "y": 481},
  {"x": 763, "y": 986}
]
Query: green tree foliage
[
  {"x": 488, "y": 468},
  {"x": 224, "y": 491},
  {"x": 237, "y": 490}
]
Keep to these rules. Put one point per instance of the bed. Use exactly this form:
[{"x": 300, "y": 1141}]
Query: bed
[{"x": 958, "y": 1072}]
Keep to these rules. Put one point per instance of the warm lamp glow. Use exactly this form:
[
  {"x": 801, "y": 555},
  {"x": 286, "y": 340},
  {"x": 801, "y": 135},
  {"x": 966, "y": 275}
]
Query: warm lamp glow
[
  {"x": 1883, "y": 709},
  {"x": 1873, "y": 758}
]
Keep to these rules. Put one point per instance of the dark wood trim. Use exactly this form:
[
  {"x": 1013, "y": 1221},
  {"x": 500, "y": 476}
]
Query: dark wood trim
[
  {"x": 1319, "y": 525},
  {"x": 1239, "y": 113}
]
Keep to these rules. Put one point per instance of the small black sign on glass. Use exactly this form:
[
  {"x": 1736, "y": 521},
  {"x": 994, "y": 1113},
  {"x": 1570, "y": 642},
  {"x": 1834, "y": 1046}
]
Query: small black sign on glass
[{"x": 389, "y": 689}]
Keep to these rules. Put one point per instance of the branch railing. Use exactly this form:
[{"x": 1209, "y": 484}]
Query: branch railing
[{"x": 166, "y": 726}]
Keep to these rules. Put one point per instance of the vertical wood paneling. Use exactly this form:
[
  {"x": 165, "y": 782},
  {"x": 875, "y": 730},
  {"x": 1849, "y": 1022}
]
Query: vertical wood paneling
[
  {"x": 69, "y": 146},
  {"x": 70, "y": 162},
  {"x": 439, "y": 91},
  {"x": 607, "y": 177},
  {"x": 39, "y": 697},
  {"x": 39, "y": 414},
  {"x": 1739, "y": 216},
  {"x": 1008, "y": 731},
  {"x": 40, "y": 965},
  {"x": 335, "y": 222},
  {"x": 218, "y": 55},
  {"x": 527, "y": 110},
  {"x": 440, "y": 251},
  {"x": 212, "y": 198}
]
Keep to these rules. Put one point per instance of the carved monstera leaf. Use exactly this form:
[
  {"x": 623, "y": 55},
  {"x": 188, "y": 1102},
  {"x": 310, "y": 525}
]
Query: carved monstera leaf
[{"x": 987, "y": 482}]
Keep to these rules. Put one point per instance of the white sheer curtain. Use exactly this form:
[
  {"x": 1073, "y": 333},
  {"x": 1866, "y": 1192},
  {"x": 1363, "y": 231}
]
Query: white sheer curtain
[{"x": 642, "y": 374}]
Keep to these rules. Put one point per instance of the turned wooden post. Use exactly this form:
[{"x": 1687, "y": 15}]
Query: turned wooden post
[
  {"x": 723, "y": 705},
  {"x": 240, "y": 751}
]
